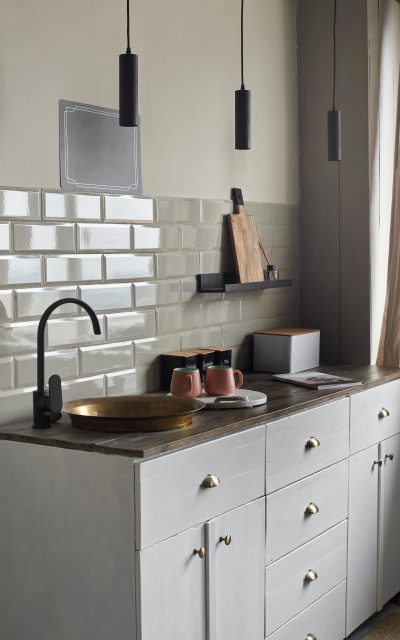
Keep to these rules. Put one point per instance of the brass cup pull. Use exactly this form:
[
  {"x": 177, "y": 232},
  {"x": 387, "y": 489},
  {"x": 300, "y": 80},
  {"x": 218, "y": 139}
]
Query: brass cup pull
[
  {"x": 200, "y": 552},
  {"x": 311, "y": 636},
  {"x": 210, "y": 481},
  {"x": 389, "y": 456},
  {"x": 378, "y": 463},
  {"x": 312, "y": 443},
  {"x": 311, "y": 510},
  {"x": 310, "y": 576},
  {"x": 384, "y": 413},
  {"x": 227, "y": 539}
]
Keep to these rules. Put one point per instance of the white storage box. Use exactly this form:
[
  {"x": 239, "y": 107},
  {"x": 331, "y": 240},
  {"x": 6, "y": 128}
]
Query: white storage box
[{"x": 286, "y": 350}]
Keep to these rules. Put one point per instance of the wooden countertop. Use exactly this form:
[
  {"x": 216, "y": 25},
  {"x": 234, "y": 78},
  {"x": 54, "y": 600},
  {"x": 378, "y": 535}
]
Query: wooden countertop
[{"x": 283, "y": 399}]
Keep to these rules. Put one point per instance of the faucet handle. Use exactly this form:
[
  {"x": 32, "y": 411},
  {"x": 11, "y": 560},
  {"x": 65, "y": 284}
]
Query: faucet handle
[{"x": 55, "y": 402}]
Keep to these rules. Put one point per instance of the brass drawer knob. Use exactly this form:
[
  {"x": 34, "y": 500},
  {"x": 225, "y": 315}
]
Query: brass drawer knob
[
  {"x": 310, "y": 576},
  {"x": 210, "y": 481},
  {"x": 311, "y": 510},
  {"x": 311, "y": 636},
  {"x": 227, "y": 539},
  {"x": 389, "y": 456},
  {"x": 200, "y": 552},
  {"x": 312, "y": 443},
  {"x": 384, "y": 413}
]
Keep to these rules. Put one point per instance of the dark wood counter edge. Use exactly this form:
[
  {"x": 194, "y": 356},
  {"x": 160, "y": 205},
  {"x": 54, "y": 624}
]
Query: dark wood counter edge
[{"x": 291, "y": 399}]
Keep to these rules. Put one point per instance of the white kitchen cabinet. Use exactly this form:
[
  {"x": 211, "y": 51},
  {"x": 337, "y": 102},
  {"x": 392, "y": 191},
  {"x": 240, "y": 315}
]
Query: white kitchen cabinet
[
  {"x": 389, "y": 520},
  {"x": 214, "y": 594}
]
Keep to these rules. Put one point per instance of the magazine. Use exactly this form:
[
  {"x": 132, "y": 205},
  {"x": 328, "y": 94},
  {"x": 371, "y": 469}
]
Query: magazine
[{"x": 317, "y": 380}]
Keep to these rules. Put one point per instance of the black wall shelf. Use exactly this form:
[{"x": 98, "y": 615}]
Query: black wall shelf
[{"x": 226, "y": 283}]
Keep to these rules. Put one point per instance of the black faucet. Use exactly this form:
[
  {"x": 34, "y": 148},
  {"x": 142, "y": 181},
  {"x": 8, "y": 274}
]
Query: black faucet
[{"x": 47, "y": 406}]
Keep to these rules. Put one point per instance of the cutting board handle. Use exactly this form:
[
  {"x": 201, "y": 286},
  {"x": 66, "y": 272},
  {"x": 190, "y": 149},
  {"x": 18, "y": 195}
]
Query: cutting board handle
[{"x": 237, "y": 199}]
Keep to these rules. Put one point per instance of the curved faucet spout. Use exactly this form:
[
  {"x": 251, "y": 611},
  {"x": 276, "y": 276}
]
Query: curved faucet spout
[{"x": 43, "y": 416}]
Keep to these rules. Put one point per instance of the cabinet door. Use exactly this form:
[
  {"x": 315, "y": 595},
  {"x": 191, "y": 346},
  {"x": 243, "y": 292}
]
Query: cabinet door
[
  {"x": 236, "y": 573},
  {"x": 171, "y": 584},
  {"x": 389, "y": 520},
  {"x": 362, "y": 565}
]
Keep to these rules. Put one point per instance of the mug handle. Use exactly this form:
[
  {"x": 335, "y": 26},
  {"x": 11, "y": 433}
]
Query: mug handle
[
  {"x": 240, "y": 375},
  {"x": 190, "y": 384}
]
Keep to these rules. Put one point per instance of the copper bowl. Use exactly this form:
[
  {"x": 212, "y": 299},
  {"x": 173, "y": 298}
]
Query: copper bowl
[{"x": 124, "y": 414}]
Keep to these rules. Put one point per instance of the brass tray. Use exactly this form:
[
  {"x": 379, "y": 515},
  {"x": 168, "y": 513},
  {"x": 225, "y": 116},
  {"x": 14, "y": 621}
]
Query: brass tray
[{"x": 124, "y": 414}]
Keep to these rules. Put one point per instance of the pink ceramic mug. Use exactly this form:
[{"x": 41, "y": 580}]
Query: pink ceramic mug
[
  {"x": 185, "y": 382},
  {"x": 220, "y": 380}
]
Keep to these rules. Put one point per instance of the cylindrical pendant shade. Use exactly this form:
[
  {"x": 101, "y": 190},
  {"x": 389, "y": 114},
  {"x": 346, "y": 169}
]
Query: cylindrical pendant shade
[
  {"x": 334, "y": 135},
  {"x": 242, "y": 119},
  {"x": 128, "y": 90}
]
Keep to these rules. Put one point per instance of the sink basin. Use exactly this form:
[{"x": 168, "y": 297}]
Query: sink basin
[{"x": 125, "y": 414}]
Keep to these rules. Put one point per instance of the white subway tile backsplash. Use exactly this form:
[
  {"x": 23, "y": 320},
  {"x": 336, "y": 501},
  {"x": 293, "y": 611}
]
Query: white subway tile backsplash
[
  {"x": 122, "y": 326},
  {"x": 5, "y": 237},
  {"x": 201, "y": 237},
  {"x": 151, "y": 294},
  {"x": 189, "y": 292},
  {"x": 6, "y": 305},
  {"x": 171, "y": 319},
  {"x": 73, "y": 331},
  {"x": 71, "y": 206},
  {"x": 59, "y": 238},
  {"x": 30, "y": 303},
  {"x": 212, "y": 211},
  {"x": 105, "y": 358},
  {"x": 130, "y": 382},
  {"x": 15, "y": 405},
  {"x": 202, "y": 338},
  {"x": 162, "y": 238},
  {"x": 128, "y": 209},
  {"x": 107, "y": 297},
  {"x": 216, "y": 261},
  {"x": 147, "y": 351},
  {"x": 20, "y": 203},
  {"x": 171, "y": 265},
  {"x": 6, "y": 373},
  {"x": 234, "y": 334},
  {"x": 101, "y": 237},
  {"x": 129, "y": 267},
  {"x": 17, "y": 338},
  {"x": 15, "y": 270},
  {"x": 171, "y": 210},
  {"x": 76, "y": 268},
  {"x": 83, "y": 388},
  {"x": 221, "y": 311},
  {"x": 62, "y": 363}
]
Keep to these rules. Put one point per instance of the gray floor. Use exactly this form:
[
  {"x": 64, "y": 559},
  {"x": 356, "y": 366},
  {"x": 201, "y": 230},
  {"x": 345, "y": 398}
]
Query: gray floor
[{"x": 391, "y": 607}]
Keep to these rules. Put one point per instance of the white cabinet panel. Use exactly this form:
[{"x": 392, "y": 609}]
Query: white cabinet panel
[
  {"x": 287, "y": 590},
  {"x": 368, "y": 423},
  {"x": 389, "y": 520},
  {"x": 172, "y": 589},
  {"x": 290, "y": 451},
  {"x": 305, "y": 509},
  {"x": 362, "y": 571},
  {"x": 169, "y": 495}
]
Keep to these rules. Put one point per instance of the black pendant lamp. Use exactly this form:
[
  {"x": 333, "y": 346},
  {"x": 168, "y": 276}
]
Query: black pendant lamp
[
  {"x": 242, "y": 106},
  {"x": 334, "y": 115},
  {"x": 128, "y": 83}
]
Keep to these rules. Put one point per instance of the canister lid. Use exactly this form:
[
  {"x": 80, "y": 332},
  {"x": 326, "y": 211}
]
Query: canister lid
[{"x": 288, "y": 331}]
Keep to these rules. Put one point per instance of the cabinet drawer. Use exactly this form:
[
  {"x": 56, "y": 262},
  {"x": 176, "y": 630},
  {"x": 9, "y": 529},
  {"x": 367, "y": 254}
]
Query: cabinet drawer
[
  {"x": 369, "y": 423},
  {"x": 307, "y": 508},
  {"x": 306, "y": 442},
  {"x": 168, "y": 491},
  {"x": 323, "y": 620},
  {"x": 287, "y": 590}
]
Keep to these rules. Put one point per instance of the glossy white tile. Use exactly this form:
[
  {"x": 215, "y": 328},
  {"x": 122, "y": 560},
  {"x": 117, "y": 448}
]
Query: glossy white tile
[
  {"x": 212, "y": 211},
  {"x": 189, "y": 292},
  {"x": 101, "y": 237},
  {"x": 203, "y": 237},
  {"x": 234, "y": 334},
  {"x": 176, "y": 318},
  {"x": 58, "y": 238},
  {"x": 20, "y": 203},
  {"x": 172, "y": 210},
  {"x": 83, "y": 388},
  {"x": 151, "y": 294},
  {"x": 162, "y": 238},
  {"x": 5, "y": 237},
  {"x": 17, "y": 337},
  {"x": 6, "y": 305},
  {"x": 202, "y": 338},
  {"x": 147, "y": 351},
  {"x": 71, "y": 206},
  {"x": 128, "y": 209},
  {"x": 16, "y": 270},
  {"x": 129, "y": 266},
  {"x": 137, "y": 324},
  {"x": 105, "y": 358},
  {"x": 130, "y": 382},
  {"x": 73, "y": 331},
  {"x": 30, "y": 303},
  {"x": 216, "y": 261},
  {"x": 76, "y": 268},
  {"x": 63, "y": 363},
  {"x": 170, "y": 265},
  {"x": 221, "y": 311},
  {"x": 15, "y": 405},
  {"x": 107, "y": 297},
  {"x": 6, "y": 374}
]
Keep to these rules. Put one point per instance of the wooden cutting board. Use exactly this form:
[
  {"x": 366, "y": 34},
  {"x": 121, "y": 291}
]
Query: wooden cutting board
[{"x": 245, "y": 241}]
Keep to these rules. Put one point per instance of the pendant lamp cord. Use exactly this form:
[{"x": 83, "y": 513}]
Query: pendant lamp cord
[
  {"x": 334, "y": 57},
  {"x": 241, "y": 43},
  {"x": 128, "y": 34}
]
